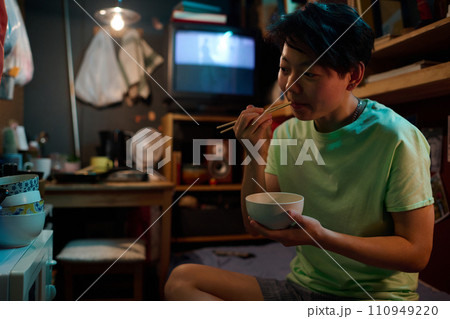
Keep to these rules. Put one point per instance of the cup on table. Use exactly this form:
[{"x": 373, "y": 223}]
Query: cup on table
[
  {"x": 101, "y": 164},
  {"x": 71, "y": 167},
  {"x": 40, "y": 165}
]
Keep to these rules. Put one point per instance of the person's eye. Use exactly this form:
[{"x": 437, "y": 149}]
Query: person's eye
[
  {"x": 283, "y": 69},
  {"x": 309, "y": 75}
]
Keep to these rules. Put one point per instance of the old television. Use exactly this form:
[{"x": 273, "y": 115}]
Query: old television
[{"x": 211, "y": 67}]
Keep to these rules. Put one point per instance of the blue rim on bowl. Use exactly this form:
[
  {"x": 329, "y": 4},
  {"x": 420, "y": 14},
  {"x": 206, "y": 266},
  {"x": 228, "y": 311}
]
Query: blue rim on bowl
[{"x": 17, "y": 184}]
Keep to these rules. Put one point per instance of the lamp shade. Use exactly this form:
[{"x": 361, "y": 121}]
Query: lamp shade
[{"x": 107, "y": 15}]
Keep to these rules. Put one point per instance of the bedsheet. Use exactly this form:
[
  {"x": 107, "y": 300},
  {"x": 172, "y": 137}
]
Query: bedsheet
[{"x": 267, "y": 261}]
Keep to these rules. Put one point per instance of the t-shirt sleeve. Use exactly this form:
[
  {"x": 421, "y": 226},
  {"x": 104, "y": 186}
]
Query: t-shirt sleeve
[{"x": 409, "y": 184}]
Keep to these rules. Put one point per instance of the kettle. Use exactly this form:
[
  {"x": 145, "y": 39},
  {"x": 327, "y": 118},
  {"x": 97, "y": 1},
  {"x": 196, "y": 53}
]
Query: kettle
[{"x": 113, "y": 145}]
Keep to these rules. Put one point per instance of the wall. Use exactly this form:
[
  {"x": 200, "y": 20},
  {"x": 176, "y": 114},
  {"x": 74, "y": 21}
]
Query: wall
[
  {"x": 47, "y": 100},
  {"x": 11, "y": 110}
]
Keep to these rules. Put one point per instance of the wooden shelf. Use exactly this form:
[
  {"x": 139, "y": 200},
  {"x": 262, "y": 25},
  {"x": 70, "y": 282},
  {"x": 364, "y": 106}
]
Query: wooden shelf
[
  {"x": 201, "y": 239},
  {"x": 429, "y": 38},
  {"x": 170, "y": 122},
  {"x": 418, "y": 85},
  {"x": 209, "y": 188}
]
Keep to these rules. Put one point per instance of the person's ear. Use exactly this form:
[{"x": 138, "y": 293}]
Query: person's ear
[{"x": 356, "y": 76}]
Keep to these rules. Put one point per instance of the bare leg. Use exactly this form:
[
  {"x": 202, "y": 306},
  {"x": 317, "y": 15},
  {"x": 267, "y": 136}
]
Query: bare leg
[{"x": 200, "y": 282}]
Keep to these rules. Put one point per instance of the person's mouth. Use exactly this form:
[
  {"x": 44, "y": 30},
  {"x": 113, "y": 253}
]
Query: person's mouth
[{"x": 298, "y": 105}]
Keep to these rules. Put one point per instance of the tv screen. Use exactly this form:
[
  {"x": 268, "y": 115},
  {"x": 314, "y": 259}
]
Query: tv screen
[{"x": 211, "y": 61}]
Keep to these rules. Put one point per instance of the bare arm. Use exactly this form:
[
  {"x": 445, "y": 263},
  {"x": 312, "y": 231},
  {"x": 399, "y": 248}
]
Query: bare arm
[{"x": 407, "y": 250}]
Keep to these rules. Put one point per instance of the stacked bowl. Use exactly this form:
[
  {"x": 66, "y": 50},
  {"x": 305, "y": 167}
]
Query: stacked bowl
[{"x": 22, "y": 213}]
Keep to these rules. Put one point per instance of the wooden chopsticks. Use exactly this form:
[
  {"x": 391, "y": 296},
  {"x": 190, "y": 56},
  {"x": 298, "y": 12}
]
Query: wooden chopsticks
[{"x": 270, "y": 110}]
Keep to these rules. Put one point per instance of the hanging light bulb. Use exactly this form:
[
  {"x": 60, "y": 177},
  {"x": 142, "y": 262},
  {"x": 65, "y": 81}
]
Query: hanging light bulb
[
  {"x": 117, "y": 22},
  {"x": 117, "y": 17}
]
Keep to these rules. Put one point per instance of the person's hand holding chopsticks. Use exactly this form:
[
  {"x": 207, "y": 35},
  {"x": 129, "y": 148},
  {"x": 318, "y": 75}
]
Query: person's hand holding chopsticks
[
  {"x": 253, "y": 127},
  {"x": 271, "y": 109}
]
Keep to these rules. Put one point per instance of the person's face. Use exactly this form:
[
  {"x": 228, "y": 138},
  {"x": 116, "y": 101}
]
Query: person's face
[{"x": 319, "y": 93}]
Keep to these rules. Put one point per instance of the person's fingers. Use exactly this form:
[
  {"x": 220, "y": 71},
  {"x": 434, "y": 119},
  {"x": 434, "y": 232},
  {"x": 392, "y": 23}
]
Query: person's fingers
[
  {"x": 258, "y": 227},
  {"x": 252, "y": 230},
  {"x": 249, "y": 110},
  {"x": 244, "y": 122},
  {"x": 297, "y": 217},
  {"x": 267, "y": 123},
  {"x": 259, "y": 122},
  {"x": 281, "y": 235},
  {"x": 294, "y": 213}
]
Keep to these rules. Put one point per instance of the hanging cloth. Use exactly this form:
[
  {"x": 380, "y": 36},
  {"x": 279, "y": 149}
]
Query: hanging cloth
[
  {"x": 100, "y": 81},
  {"x": 135, "y": 56}
]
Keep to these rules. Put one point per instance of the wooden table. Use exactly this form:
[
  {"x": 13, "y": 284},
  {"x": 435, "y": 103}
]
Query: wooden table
[{"x": 114, "y": 194}]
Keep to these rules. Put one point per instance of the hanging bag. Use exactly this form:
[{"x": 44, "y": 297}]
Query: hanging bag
[
  {"x": 20, "y": 60},
  {"x": 100, "y": 81}
]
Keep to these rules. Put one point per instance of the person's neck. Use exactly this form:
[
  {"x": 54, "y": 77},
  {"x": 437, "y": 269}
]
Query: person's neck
[{"x": 341, "y": 117}]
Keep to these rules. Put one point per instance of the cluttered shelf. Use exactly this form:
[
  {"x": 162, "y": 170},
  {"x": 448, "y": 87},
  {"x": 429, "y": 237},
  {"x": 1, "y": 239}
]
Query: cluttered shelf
[
  {"x": 430, "y": 37},
  {"x": 430, "y": 82},
  {"x": 210, "y": 212}
]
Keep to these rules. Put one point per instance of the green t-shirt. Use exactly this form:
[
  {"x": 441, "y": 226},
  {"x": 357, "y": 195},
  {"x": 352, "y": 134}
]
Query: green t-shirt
[{"x": 375, "y": 165}]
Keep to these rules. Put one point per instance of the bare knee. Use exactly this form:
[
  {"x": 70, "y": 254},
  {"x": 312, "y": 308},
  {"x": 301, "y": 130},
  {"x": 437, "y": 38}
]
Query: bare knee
[
  {"x": 201, "y": 282},
  {"x": 180, "y": 282}
]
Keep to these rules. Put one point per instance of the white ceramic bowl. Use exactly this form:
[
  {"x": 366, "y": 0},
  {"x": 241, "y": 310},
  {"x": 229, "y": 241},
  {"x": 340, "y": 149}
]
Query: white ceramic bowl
[
  {"x": 20, "y": 230},
  {"x": 17, "y": 184},
  {"x": 265, "y": 208},
  {"x": 21, "y": 199}
]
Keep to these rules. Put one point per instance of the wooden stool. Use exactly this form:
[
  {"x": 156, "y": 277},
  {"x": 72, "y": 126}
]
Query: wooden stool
[{"x": 94, "y": 256}]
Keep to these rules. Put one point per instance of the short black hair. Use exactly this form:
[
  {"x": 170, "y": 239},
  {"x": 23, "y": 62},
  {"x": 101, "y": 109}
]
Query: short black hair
[{"x": 318, "y": 26}]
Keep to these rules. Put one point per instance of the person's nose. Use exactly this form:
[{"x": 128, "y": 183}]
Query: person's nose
[{"x": 293, "y": 84}]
